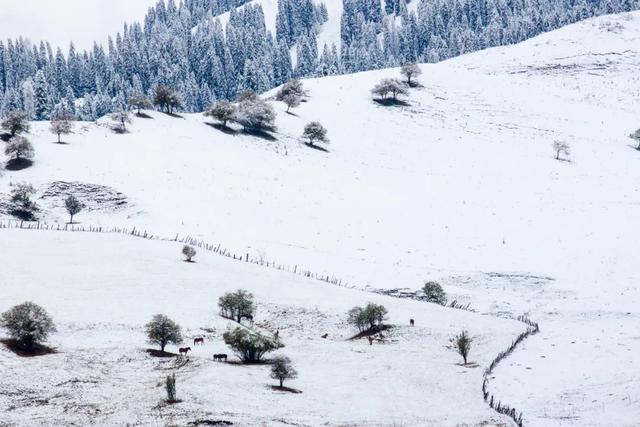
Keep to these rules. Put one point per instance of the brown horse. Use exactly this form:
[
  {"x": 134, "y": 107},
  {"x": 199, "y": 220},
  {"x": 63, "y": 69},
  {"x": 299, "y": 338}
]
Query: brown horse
[
  {"x": 325, "y": 336},
  {"x": 184, "y": 350},
  {"x": 412, "y": 322},
  {"x": 220, "y": 357},
  {"x": 198, "y": 341},
  {"x": 370, "y": 340}
]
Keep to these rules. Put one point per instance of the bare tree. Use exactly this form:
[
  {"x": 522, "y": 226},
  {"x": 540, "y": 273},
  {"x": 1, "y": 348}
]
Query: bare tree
[
  {"x": 120, "y": 119},
  {"x": 389, "y": 87},
  {"x": 62, "y": 125},
  {"x": 140, "y": 101},
  {"x": 315, "y": 132},
  {"x": 28, "y": 323},
  {"x": 189, "y": 252},
  {"x": 636, "y": 137},
  {"x": 282, "y": 370},
  {"x": 410, "y": 71},
  {"x": 162, "y": 331},
  {"x": 73, "y": 206},
  {"x": 291, "y": 93},
  {"x": 167, "y": 99},
  {"x": 16, "y": 122},
  {"x": 19, "y": 148},
  {"x": 223, "y": 111},
  {"x": 561, "y": 147}
]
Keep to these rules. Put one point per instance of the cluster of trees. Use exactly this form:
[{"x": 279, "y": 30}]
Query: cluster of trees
[
  {"x": 388, "y": 90},
  {"x": 367, "y": 318},
  {"x": 185, "y": 48},
  {"x": 249, "y": 111}
]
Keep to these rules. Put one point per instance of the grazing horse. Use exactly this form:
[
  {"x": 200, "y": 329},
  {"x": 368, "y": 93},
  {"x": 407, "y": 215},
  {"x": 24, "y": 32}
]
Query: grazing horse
[
  {"x": 184, "y": 350},
  {"x": 198, "y": 341},
  {"x": 412, "y": 322},
  {"x": 325, "y": 336},
  {"x": 220, "y": 357}
]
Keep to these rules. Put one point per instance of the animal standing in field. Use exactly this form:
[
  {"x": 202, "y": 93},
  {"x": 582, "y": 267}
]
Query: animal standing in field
[
  {"x": 277, "y": 334},
  {"x": 184, "y": 350},
  {"x": 412, "y": 322},
  {"x": 220, "y": 357},
  {"x": 198, "y": 341},
  {"x": 325, "y": 336},
  {"x": 370, "y": 340}
]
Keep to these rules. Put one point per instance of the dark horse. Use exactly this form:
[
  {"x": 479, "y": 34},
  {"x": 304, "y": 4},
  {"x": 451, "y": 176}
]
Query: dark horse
[
  {"x": 198, "y": 341},
  {"x": 220, "y": 357},
  {"x": 184, "y": 350}
]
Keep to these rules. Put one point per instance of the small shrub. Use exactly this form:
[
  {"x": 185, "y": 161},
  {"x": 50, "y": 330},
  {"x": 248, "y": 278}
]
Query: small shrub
[
  {"x": 189, "y": 252},
  {"x": 28, "y": 323},
  {"x": 236, "y": 305},
  {"x": 250, "y": 346},
  {"x": 162, "y": 331},
  {"x": 462, "y": 344},
  {"x": 282, "y": 370},
  {"x": 120, "y": 120},
  {"x": 561, "y": 148},
  {"x": 434, "y": 293},
  {"x": 171, "y": 388},
  {"x": 636, "y": 137}
]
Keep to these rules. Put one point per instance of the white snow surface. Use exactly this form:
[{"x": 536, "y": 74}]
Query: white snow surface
[{"x": 458, "y": 186}]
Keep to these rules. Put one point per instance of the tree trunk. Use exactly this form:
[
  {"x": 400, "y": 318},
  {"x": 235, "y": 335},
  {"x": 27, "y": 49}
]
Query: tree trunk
[
  {"x": 58, "y": 138},
  {"x": 71, "y": 220},
  {"x": 281, "y": 383},
  {"x": 162, "y": 346}
]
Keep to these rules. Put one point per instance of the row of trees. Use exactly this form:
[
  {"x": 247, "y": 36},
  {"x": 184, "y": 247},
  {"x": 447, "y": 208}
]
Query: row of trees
[{"x": 185, "y": 47}]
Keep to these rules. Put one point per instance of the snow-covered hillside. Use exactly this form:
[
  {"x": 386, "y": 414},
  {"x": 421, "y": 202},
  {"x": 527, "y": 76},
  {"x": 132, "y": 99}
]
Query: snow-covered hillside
[
  {"x": 102, "y": 289},
  {"x": 460, "y": 186}
]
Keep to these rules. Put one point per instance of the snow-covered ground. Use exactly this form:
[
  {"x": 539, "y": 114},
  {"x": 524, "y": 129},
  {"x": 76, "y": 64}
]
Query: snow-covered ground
[
  {"x": 61, "y": 22},
  {"x": 102, "y": 289},
  {"x": 459, "y": 186}
]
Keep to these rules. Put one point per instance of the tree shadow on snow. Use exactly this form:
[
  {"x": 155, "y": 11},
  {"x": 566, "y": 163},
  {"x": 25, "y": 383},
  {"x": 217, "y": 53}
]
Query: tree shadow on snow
[
  {"x": 316, "y": 147},
  {"x": 18, "y": 165},
  {"x": 37, "y": 350},
  {"x": 390, "y": 102},
  {"x": 174, "y": 115},
  {"x": 143, "y": 116},
  {"x": 285, "y": 389},
  {"x": 222, "y": 128},
  {"x": 5, "y": 137},
  {"x": 260, "y": 134}
]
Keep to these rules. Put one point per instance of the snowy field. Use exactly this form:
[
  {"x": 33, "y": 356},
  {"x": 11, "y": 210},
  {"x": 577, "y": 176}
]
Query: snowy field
[
  {"x": 102, "y": 289},
  {"x": 459, "y": 186}
]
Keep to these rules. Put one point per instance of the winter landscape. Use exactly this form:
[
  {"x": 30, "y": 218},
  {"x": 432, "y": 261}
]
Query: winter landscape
[{"x": 306, "y": 213}]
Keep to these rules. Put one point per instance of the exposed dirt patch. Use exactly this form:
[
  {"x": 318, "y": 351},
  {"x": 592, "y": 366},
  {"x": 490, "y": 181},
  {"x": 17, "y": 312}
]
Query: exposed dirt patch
[{"x": 94, "y": 197}]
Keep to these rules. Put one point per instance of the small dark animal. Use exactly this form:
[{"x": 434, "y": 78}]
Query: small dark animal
[
  {"x": 277, "y": 334},
  {"x": 412, "y": 322},
  {"x": 220, "y": 357},
  {"x": 325, "y": 336},
  {"x": 198, "y": 341},
  {"x": 184, "y": 350},
  {"x": 370, "y": 340}
]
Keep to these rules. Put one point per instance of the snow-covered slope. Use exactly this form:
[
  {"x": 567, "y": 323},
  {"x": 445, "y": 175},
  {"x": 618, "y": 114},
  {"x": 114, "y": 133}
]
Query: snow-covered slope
[
  {"x": 459, "y": 186},
  {"x": 102, "y": 289},
  {"x": 61, "y": 22}
]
